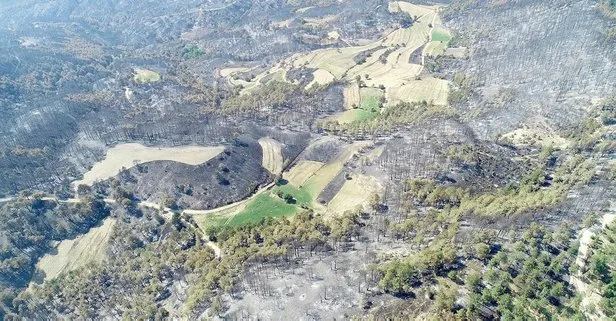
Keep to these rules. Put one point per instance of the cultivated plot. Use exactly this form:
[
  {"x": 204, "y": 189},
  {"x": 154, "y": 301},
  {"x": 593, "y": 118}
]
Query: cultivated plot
[
  {"x": 128, "y": 155},
  {"x": 78, "y": 252},
  {"x": 272, "y": 155}
]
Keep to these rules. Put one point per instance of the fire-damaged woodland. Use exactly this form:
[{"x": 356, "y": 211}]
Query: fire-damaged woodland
[{"x": 308, "y": 160}]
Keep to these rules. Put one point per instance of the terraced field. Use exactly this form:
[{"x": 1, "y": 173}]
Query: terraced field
[
  {"x": 388, "y": 63},
  {"x": 298, "y": 189}
]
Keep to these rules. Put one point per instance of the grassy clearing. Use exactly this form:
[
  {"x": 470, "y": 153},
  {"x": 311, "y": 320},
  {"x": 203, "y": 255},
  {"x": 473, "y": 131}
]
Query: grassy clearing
[
  {"x": 321, "y": 77},
  {"x": 145, "y": 76},
  {"x": 266, "y": 205},
  {"x": 429, "y": 89},
  {"x": 440, "y": 35},
  {"x": 371, "y": 99},
  {"x": 536, "y": 132},
  {"x": 300, "y": 195},
  {"x": 435, "y": 48}
]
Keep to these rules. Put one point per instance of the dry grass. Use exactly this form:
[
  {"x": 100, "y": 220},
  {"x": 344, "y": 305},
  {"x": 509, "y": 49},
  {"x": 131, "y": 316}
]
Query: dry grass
[
  {"x": 321, "y": 178},
  {"x": 430, "y": 89},
  {"x": 321, "y": 77},
  {"x": 352, "y": 97},
  {"x": 412, "y": 9},
  {"x": 281, "y": 24},
  {"x": 272, "y": 155},
  {"x": 72, "y": 254},
  {"x": 304, "y": 9},
  {"x": 129, "y": 155},
  {"x": 333, "y": 35},
  {"x": 355, "y": 192},
  {"x": 536, "y": 133},
  {"x": 128, "y": 93},
  {"x": 320, "y": 22},
  {"x": 460, "y": 52},
  {"x": 299, "y": 173}
]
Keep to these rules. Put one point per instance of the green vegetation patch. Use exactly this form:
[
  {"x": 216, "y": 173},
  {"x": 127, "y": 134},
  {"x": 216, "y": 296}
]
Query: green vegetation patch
[
  {"x": 145, "y": 76},
  {"x": 392, "y": 117},
  {"x": 514, "y": 199},
  {"x": 361, "y": 114},
  {"x": 601, "y": 268},
  {"x": 442, "y": 36},
  {"x": 371, "y": 99},
  {"x": 265, "y": 205},
  {"x": 300, "y": 196},
  {"x": 193, "y": 52}
]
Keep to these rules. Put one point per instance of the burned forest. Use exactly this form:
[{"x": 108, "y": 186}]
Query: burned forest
[{"x": 308, "y": 160}]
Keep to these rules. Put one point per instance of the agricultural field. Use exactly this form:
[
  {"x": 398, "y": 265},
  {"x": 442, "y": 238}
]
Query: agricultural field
[
  {"x": 318, "y": 160},
  {"x": 298, "y": 189},
  {"x": 125, "y": 156},
  {"x": 388, "y": 62},
  {"x": 272, "y": 155},
  {"x": 78, "y": 252},
  {"x": 265, "y": 205},
  {"x": 355, "y": 192},
  {"x": 315, "y": 184},
  {"x": 303, "y": 170},
  {"x": 352, "y": 96},
  {"x": 367, "y": 102}
]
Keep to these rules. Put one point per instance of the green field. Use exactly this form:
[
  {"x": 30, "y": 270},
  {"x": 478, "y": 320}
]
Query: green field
[
  {"x": 301, "y": 195},
  {"x": 369, "y": 108},
  {"x": 361, "y": 114},
  {"x": 440, "y": 36},
  {"x": 371, "y": 99},
  {"x": 265, "y": 205}
]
